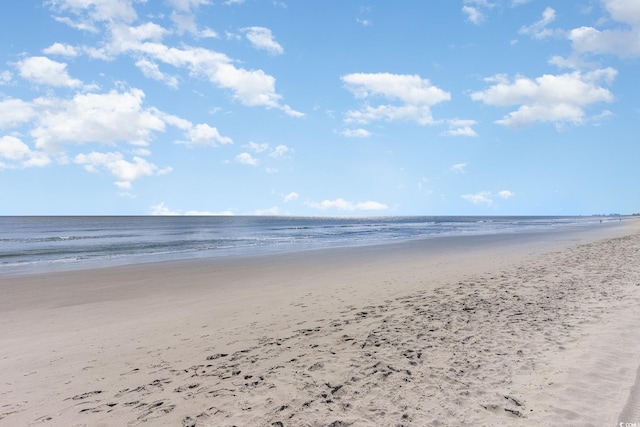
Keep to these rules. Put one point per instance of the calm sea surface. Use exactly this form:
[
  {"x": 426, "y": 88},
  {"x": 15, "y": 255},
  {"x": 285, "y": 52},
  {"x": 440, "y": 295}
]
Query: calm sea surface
[{"x": 40, "y": 244}]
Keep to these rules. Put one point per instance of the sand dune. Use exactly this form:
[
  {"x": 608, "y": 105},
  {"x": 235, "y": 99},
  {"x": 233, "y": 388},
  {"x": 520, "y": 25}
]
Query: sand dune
[{"x": 508, "y": 331}]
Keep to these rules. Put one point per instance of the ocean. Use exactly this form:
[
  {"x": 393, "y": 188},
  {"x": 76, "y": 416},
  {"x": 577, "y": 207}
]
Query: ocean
[{"x": 44, "y": 244}]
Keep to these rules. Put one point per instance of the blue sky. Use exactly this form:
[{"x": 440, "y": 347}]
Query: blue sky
[{"x": 270, "y": 107}]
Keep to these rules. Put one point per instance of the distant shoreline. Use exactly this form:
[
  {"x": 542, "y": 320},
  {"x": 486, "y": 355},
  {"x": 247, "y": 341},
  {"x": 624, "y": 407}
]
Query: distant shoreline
[{"x": 48, "y": 244}]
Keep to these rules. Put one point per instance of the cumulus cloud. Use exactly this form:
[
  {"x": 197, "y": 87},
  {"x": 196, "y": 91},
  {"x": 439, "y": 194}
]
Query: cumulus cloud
[
  {"x": 161, "y": 209},
  {"x": 61, "y": 49},
  {"x": 247, "y": 159},
  {"x": 258, "y": 148},
  {"x": 356, "y": 133},
  {"x": 19, "y": 154},
  {"x": 415, "y": 95},
  {"x": 14, "y": 112},
  {"x": 505, "y": 194},
  {"x": 5, "y": 77},
  {"x": 188, "y": 5},
  {"x": 152, "y": 71},
  {"x": 625, "y": 44},
  {"x": 291, "y": 196},
  {"x": 344, "y": 205},
  {"x": 98, "y": 10},
  {"x": 280, "y": 151},
  {"x": 105, "y": 118},
  {"x": 459, "y": 127},
  {"x": 205, "y": 135},
  {"x": 124, "y": 171},
  {"x": 459, "y": 168},
  {"x": 42, "y": 70},
  {"x": 539, "y": 30},
  {"x": 269, "y": 211},
  {"x": 184, "y": 17},
  {"x": 474, "y": 10},
  {"x": 622, "y": 41},
  {"x": 249, "y": 87},
  {"x": 549, "y": 98},
  {"x": 627, "y": 11},
  {"x": 486, "y": 197},
  {"x": 473, "y": 14},
  {"x": 481, "y": 198},
  {"x": 261, "y": 38}
]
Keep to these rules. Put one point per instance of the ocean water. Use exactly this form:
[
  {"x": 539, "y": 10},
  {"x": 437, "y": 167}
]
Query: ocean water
[{"x": 42, "y": 244}]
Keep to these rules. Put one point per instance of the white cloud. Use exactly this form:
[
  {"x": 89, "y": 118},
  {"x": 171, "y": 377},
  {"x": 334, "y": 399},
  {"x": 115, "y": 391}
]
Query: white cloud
[
  {"x": 5, "y": 77},
  {"x": 151, "y": 70},
  {"x": 247, "y": 159},
  {"x": 258, "y": 148},
  {"x": 481, "y": 198},
  {"x": 486, "y": 197},
  {"x": 621, "y": 41},
  {"x": 356, "y": 133},
  {"x": 14, "y": 112},
  {"x": 185, "y": 22},
  {"x": 90, "y": 11},
  {"x": 209, "y": 213},
  {"x": 460, "y": 127},
  {"x": 132, "y": 39},
  {"x": 19, "y": 154},
  {"x": 474, "y": 15},
  {"x": 42, "y": 70},
  {"x": 269, "y": 211},
  {"x": 162, "y": 209},
  {"x": 539, "y": 30},
  {"x": 124, "y": 171},
  {"x": 262, "y": 39},
  {"x": 627, "y": 11},
  {"x": 280, "y": 151},
  {"x": 625, "y": 44},
  {"x": 291, "y": 196},
  {"x": 573, "y": 62},
  {"x": 208, "y": 33},
  {"x": 415, "y": 94},
  {"x": 250, "y": 87},
  {"x": 205, "y": 135},
  {"x": 459, "y": 168},
  {"x": 105, "y": 118},
  {"x": 344, "y": 205},
  {"x": 61, "y": 49},
  {"x": 549, "y": 98},
  {"x": 188, "y": 5}
]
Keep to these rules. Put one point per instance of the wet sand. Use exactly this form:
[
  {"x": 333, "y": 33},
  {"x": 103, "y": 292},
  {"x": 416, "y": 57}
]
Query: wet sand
[{"x": 514, "y": 329}]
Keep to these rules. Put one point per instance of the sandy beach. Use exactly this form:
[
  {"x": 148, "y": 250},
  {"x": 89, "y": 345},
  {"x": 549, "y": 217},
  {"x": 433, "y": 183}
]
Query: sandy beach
[{"x": 537, "y": 329}]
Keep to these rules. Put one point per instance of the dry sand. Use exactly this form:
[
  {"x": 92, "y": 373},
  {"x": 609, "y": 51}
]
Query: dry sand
[{"x": 528, "y": 329}]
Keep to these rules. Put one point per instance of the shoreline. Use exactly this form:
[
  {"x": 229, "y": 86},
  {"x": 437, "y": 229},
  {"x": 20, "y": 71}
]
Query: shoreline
[
  {"x": 94, "y": 261},
  {"x": 452, "y": 330}
]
